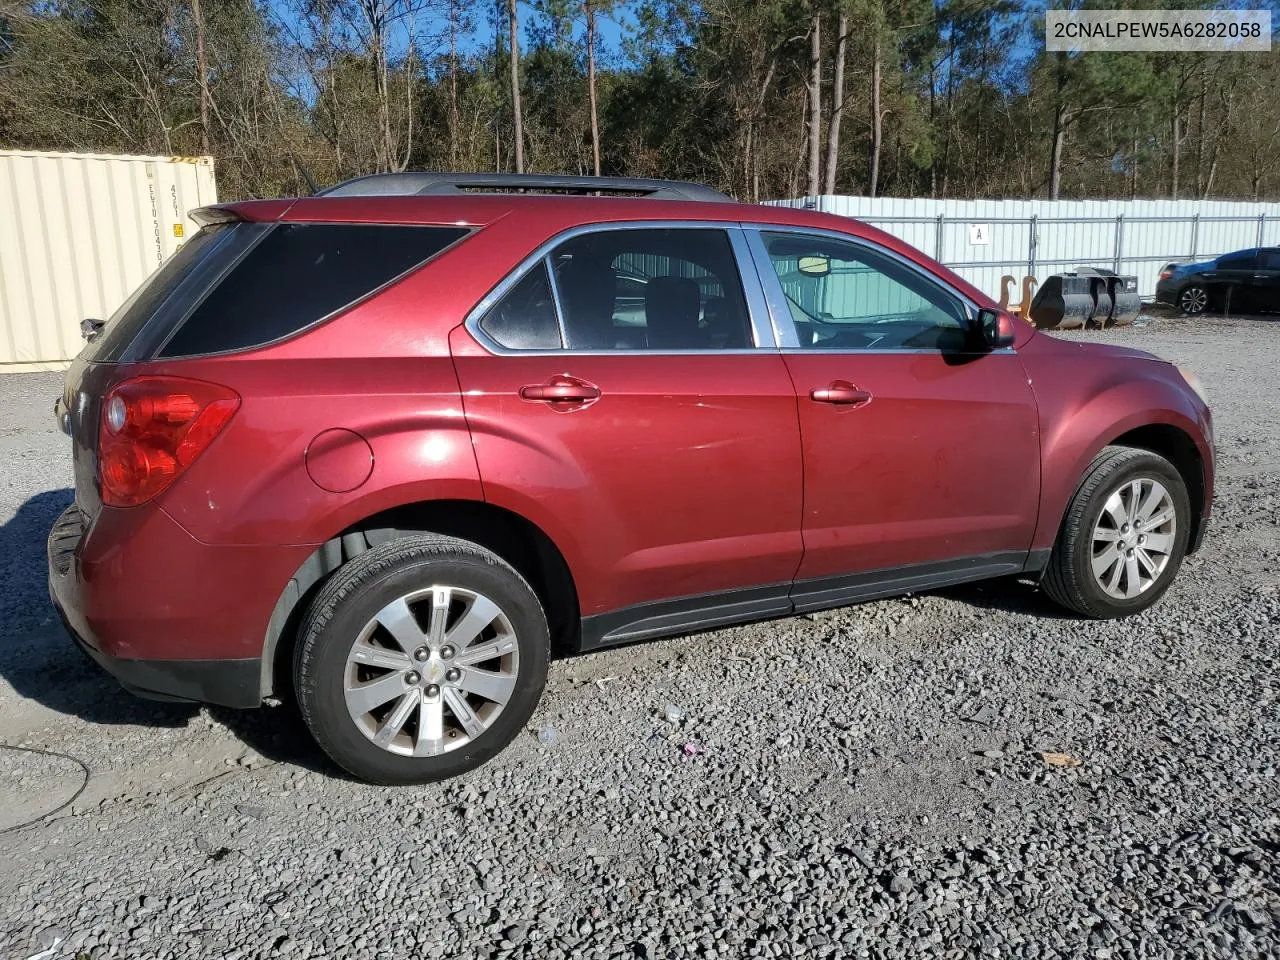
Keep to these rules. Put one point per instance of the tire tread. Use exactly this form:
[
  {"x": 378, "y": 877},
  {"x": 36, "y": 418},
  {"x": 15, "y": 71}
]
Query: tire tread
[
  {"x": 1061, "y": 580},
  {"x": 354, "y": 576}
]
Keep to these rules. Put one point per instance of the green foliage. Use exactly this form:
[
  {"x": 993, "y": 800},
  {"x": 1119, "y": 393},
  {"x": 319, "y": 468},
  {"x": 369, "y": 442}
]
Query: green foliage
[{"x": 711, "y": 90}]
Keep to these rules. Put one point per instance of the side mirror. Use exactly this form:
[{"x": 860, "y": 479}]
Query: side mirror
[{"x": 996, "y": 329}]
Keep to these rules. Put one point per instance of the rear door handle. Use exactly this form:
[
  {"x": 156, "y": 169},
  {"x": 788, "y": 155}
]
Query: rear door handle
[
  {"x": 841, "y": 392},
  {"x": 563, "y": 389}
]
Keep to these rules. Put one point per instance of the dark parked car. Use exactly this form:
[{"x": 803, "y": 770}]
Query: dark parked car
[
  {"x": 1245, "y": 281},
  {"x": 390, "y": 446}
]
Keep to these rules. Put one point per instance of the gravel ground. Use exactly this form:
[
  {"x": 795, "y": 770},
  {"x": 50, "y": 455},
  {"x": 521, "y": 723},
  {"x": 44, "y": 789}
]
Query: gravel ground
[{"x": 873, "y": 783}]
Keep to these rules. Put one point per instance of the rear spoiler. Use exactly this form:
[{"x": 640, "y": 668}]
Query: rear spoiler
[
  {"x": 217, "y": 214},
  {"x": 256, "y": 211}
]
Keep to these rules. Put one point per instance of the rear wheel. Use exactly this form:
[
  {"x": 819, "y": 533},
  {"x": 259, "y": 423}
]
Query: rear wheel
[
  {"x": 1193, "y": 300},
  {"x": 420, "y": 660},
  {"x": 1124, "y": 535}
]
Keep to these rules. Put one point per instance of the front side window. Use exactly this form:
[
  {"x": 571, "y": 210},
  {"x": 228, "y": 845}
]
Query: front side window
[
  {"x": 659, "y": 290},
  {"x": 847, "y": 296}
]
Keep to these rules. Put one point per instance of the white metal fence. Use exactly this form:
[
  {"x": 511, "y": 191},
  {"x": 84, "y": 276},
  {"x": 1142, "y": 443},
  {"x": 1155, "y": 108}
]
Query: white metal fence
[{"x": 982, "y": 240}]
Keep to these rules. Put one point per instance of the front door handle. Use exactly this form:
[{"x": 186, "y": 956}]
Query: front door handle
[
  {"x": 841, "y": 392},
  {"x": 561, "y": 389}
]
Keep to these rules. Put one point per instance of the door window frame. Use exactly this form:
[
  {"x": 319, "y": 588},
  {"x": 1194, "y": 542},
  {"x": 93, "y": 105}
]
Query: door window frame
[
  {"x": 759, "y": 314},
  {"x": 780, "y": 313}
]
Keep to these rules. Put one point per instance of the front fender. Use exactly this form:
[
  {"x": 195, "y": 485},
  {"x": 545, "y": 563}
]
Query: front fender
[{"x": 1087, "y": 402}]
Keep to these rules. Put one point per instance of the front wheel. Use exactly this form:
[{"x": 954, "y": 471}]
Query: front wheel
[
  {"x": 420, "y": 660},
  {"x": 1124, "y": 535}
]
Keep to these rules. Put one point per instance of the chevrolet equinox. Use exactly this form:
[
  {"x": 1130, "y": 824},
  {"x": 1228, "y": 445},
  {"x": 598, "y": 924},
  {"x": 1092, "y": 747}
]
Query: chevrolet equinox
[{"x": 385, "y": 448}]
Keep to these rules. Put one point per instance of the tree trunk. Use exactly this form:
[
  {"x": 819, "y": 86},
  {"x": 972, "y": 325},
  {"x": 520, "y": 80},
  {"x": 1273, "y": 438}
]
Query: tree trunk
[
  {"x": 410, "y": 74},
  {"x": 518, "y": 118},
  {"x": 589, "y": 9},
  {"x": 949, "y": 112},
  {"x": 1200, "y": 141},
  {"x": 202, "y": 76},
  {"x": 1208, "y": 183},
  {"x": 1059, "y": 135},
  {"x": 837, "y": 108},
  {"x": 933, "y": 125},
  {"x": 755, "y": 121},
  {"x": 1055, "y": 152},
  {"x": 1133, "y": 171},
  {"x": 1177, "y": 149},
  {"x": 453, "y": 84},
  {"x": 815, "y": 105},
  {"x": 877, "y": 124},
  {"x": 798, "y": 169},
  {"x": 375, "y": 14}
]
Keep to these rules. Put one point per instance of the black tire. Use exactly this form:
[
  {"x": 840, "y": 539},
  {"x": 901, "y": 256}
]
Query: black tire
[
  {"x": 355, "y": 594},
  {"x": 1068, "y": 579},
  {"x": 1194, "y": 299}
]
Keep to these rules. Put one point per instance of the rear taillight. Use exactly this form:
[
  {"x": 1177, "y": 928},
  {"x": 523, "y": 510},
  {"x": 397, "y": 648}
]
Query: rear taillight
[
  {"x": 1166, "y": 274},
  {"x": 152, "y": 429}
]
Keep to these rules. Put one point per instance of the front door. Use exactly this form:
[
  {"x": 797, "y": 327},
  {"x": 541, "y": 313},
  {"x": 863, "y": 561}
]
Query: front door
[
  {"x": 617, "y": 398},
  {"x": 1266, "y": 282},
  {"x": 921, "y": 451}
]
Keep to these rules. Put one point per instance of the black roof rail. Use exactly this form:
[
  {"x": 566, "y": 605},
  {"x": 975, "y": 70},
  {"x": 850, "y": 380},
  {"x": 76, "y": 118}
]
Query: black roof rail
[{"x": 418, "y": 184}]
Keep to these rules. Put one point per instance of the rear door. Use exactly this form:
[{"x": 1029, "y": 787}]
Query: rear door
[
  {"x": 1233, "y": 276},
  {"x": 921, "y": 451},
  {"x": 624, "y": 393}
]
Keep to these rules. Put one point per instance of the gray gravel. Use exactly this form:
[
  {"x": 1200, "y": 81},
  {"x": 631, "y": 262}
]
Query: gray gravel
[{"x": 873, "y": 782}]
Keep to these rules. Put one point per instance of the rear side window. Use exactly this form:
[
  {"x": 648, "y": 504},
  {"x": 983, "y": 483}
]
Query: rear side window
[
  {"x": 126, "y": 325},
  {"x": 1238, "y": 261},
  {"x": 651, "y": 289},
  {"x": 296, "y": 276}
]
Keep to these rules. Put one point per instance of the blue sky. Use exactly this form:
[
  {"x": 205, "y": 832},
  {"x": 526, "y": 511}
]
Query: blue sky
[{"x": 613, "y": 28}]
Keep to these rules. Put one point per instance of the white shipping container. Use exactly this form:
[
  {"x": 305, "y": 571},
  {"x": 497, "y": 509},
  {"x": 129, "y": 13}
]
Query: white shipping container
[{"x": 78, "y": 233}]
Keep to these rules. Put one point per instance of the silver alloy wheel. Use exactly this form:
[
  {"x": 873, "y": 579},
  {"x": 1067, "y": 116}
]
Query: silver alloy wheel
[
  {"x": 420, "y": 692},
  {"x": 1193, "y": 300},
  {"x": 1133, "y": 538}
]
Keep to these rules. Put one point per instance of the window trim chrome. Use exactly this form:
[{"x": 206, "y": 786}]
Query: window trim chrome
[
  {"x": 780, "y": 314},
  {"x": 753, "y": 291},
  {"x": 555, "y": 299}
]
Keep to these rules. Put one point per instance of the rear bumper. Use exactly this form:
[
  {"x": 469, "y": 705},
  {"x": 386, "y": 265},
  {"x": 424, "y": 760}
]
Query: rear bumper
[
  {"x": 169, "y": 617},
  {"x": 1167, "y": 292},
  {"x": 229, "y": 683}
]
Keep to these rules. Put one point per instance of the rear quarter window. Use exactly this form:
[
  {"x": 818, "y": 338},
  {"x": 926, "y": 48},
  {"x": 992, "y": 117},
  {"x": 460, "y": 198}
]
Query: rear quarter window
[
  {"x": 297, "y": 275},
  {"x": 126, "y": 325}
]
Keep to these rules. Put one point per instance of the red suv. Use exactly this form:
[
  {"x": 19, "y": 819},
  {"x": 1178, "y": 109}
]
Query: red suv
[{"x": 389, "y": 446}]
